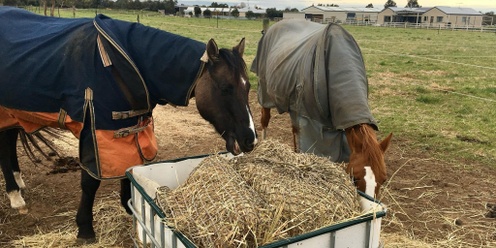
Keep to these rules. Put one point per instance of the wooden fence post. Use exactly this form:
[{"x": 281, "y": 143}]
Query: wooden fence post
[{"x": 265, "y": 24}]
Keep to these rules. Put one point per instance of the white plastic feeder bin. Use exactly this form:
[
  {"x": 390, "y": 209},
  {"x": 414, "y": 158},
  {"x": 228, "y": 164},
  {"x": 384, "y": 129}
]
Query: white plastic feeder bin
[{"x": 361, "y": 232}]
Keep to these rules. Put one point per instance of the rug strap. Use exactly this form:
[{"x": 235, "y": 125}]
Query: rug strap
[
  {"x": 123, "y": 132},
  {"x": 61, "y": 118},
  {"x": 103, "y": 54},
  {"x": 88, "y": 94},
  {"x": 204, "y": 57},
  {"x": 118, "y": 115}
]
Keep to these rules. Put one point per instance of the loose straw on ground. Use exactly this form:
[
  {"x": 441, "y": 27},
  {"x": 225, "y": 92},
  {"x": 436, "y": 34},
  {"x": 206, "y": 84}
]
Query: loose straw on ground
[{"x": 112, "y": 229}]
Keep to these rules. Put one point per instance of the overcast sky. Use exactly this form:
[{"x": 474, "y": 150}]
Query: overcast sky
[{"x": 479, "y": 5}]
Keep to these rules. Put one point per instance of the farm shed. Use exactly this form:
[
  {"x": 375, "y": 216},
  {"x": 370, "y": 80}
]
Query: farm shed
[
  {"x": 439, "y": 16},
  {"x": 448, "y": 16},
  {"x": 243, "y": 11},
  {"x": 323, "y": 14},
  {"x": 293, "y": 15},
  {"x": 396, "y": 14}
]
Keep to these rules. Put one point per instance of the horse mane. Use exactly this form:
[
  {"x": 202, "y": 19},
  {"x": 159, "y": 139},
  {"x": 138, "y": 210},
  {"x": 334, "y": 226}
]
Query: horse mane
[
  {"x": 371, "y": 148},
  {"x": 236, "y": 62}
]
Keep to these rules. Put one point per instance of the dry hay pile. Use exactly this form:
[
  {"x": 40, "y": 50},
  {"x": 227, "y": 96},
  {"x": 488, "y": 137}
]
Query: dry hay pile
[
  {"x": 310, "y": 191},
  {"x": 214, "y": 206},
  {"x": 269, "y": 194}
]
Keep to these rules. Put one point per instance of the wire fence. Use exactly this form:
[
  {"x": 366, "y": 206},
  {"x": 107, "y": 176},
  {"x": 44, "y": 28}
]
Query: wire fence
[{"x": 382, "y": 52}]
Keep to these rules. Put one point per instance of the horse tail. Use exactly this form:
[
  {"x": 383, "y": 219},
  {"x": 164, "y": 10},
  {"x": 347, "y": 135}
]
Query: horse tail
[{"x": 31, "y": 143}]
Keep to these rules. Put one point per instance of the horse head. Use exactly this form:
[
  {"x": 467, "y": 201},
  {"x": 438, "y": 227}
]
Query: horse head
[
  {"x": 221, "y": 94},
  {"x": 367, "y": 166}
]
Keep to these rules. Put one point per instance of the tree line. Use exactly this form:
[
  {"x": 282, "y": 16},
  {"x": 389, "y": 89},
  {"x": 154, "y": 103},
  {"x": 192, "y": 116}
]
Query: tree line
[{"x": 167, "y": 5}]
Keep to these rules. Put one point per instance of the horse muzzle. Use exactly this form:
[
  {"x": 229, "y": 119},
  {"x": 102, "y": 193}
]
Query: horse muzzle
[{"x": 237, "y": 146}]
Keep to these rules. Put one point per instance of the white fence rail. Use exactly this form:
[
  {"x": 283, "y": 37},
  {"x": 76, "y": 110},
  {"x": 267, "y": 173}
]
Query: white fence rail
[{"x": 484, "y": 28}]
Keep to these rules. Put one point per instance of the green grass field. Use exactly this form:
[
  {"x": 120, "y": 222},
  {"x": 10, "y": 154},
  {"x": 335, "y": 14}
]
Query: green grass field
[{"x": 435, "y": 90}]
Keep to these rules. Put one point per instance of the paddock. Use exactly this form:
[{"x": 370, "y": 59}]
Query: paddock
[{"x": 433, "y": 90}]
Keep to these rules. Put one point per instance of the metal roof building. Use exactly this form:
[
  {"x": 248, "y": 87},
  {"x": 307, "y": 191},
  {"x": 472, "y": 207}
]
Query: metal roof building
[
  {"x": 439, "y": 16},
  {"x": 324, "y": 14}
]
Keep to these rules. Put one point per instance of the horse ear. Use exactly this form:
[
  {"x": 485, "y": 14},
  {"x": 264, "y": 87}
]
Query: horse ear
[
  {"x": 241, "y": 47},
  {"x": 385, "y": 143},
  {"x": 212, "y": 50}
]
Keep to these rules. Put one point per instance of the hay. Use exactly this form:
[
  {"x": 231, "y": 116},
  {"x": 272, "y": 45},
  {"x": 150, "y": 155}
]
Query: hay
[
  {"x": 267, "y": 195},
  {"x": 312, "y": 191},
  {"x": 214, "y": 206},
  {"x": 112, "y": 229}
]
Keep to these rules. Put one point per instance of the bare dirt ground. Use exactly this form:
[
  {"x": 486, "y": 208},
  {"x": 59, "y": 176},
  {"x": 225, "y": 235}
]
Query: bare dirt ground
[{"x": 430, "y": 202}]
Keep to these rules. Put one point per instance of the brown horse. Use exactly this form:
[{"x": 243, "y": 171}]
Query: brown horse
[
  {"x": 316, "y": 73},
  {"x": 101, "y": 79}
]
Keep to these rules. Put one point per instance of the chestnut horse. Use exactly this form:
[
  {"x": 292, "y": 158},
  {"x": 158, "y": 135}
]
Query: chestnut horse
[
  {"x": 101, "y": 79},
  {"x": 317, "y": 74}
]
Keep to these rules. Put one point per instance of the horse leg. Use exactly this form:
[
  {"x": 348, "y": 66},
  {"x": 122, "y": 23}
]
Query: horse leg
[
  {"x": 264, "y": 120},
  {"x": 126, "y": 194},
  {"x": 84, "y": 217},
  {"x": 10, "y": 169},
  {"x": 295, "y": 132}
]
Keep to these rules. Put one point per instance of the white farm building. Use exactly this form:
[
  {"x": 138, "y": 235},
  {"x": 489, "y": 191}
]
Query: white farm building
[
  {"x": 340, "y": 15},
  {"x": 440, "y": 16}
]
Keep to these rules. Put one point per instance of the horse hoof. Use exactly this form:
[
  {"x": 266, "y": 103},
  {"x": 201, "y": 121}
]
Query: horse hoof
[
  {"x": 83, "y": 241},
  {"x": 23, "y": 210}
]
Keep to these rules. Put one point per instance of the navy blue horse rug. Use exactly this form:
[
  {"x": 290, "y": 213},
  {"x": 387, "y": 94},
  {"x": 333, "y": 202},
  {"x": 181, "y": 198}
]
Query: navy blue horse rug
[{"x": 100, "y": 78}]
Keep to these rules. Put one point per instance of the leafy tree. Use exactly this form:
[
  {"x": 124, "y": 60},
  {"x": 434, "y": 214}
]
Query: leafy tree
[
  {"x": 136, "y": 4},
  {"x": 95, "y": 3},
  {"x": 250, "y": 14},
  {"x": 207, "y": 13},
  {"x": 235, "y": 12},
  {"x": 291, "y": 10},
  {"x": 217, "y": 5},
  {"x": 412, "y": 4},
  {"x": 170, "y": 6},
  {"x": 273, "y": 13},
  {"x": 10, "y": 2},
  {"x": 197, "y": 11},
  {"x": 390, "y": 3},
  {"x": 370, "y": 5}
]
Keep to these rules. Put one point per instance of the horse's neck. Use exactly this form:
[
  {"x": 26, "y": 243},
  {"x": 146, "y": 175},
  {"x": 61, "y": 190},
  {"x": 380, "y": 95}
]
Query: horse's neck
[
  {"x": 149, "y": 45},
  {"x": 168, "y": 63}
]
